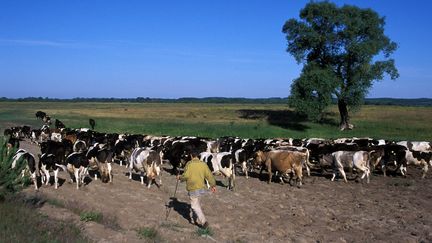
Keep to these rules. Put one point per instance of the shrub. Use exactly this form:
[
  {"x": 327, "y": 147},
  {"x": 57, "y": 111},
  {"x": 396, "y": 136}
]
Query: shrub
[
  {"x": 87, "y": 216},
  {"x": 148, "y": 233}
]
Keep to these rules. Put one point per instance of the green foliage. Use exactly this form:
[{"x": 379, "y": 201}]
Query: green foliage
[
  {"x": 148, "y": 233},
  {"x": 311, "y": 93},
  {"x": 11, "y": 180},
  {"x": 338, "y": 46},
  {"x": 204, "y": 231},
  {"x": 87, "y": 216}
]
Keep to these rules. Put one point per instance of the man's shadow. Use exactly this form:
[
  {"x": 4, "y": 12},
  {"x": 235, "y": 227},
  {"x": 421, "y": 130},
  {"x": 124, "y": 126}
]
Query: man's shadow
[{"x": 181, "y": 208}]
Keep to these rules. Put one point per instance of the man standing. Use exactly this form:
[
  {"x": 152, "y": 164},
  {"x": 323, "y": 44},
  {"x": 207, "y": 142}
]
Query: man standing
[{"x": 194, "y": 174}]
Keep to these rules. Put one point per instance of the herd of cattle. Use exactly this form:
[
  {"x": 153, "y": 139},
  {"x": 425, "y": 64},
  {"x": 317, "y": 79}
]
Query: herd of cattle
[{"x": 80, "y": 151}]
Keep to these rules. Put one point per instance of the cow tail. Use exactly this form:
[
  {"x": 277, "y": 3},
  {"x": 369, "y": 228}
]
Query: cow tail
[
  {"x": 63, "y": 167},
  {"x": 308, "y": 163}
]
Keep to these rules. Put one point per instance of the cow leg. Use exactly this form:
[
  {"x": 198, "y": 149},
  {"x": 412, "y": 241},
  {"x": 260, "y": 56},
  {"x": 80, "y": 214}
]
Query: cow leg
[
  {"x": 299, "y": 174},
  {"x": 121, "y": 162},
  {"x": 149, "y": 182},
  {"x": 47, "y": 176},
  {"x": 110, "y": 172},
  {"x": 142, "y": 178},
  {"x": 77, "y": 177},
  {"x": 245, "y": 169},
  {"x": 233, "y": 179},
  {"x": 425, "y": 168},
  {"x": 334, "y": 176},
  {"x": 341, "y": 170},
  {"x": 159, "y": 174},
  {"x": 83, "y": 174},
  {"x": 56, "y": 171},
  {"x": 383, "y": 168},
  {"x": 34, "y": 179},
  {"x": 269, "y": 170},
  {"x": 367, "y": 175},
  {"x": 402, "y": 169}
]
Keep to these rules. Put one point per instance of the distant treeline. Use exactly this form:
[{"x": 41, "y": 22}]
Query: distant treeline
[{"x": 220, "y": 100}]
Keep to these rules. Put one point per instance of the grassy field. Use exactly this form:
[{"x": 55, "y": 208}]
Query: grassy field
[{"x": 216, "y": 120}]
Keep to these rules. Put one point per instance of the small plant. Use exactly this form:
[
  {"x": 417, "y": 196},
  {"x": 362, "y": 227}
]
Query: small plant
[
  {"x": 149, "y": 233},
  {"x": 205, "y": 231},
  {"x": 91, "y": 216}
]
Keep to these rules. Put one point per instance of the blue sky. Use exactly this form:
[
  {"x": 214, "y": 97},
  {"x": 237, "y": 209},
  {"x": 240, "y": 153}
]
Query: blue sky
[{"x": 172, "y": 49}]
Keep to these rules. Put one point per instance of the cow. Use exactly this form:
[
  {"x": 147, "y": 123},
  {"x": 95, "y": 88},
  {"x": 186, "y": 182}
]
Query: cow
[
  {"x": 122, "y": 151},
  {"x": 55, "y": 136},
  {"x": 147, "y": 162},
  {"x": 77, "y": 166},
  {"x": 244, "y": 157},
  {"x": 220, "y": 163},
  {"x": 283, "y": 161},
  {"x": 31, "y": 165},
  {"x": 417, "y": 158},
  {"x": 79, "y": 146},
  {"x": 58, "y": 124},
  {"x": 54, "y": 158},
  {"x": 101, "y": 158},
  {"x": 40, "y": 115},
  {"x": 177, "y": 152},
  {"x": 351, "y": 159},
  {"x": 49, "y": 162},
  {"x": 306, "y": 163},
  {"x": 92, "y": 123},
  {"x": 394, "y": 154}
]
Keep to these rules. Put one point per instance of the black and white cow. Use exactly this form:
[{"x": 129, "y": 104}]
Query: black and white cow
[
  {"x": 53, "y": 158},
  {"x": 100, "y": 158},
  {"x": 31, "y": 165},
  {"x": 417, "y": 158},
  {"x": 77, "y": 166},
  {"x": 394, "y": 154},
  {"x": 40, "y": 115},
  {"x": 148, "y": 163},
  {"x": 220, "y": 163},
  {"x": 122, "y": 151},
  {"x": 79, "y": 146}
]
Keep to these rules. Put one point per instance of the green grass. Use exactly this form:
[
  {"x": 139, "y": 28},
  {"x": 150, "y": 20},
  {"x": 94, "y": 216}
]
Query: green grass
[
  {"x": 216, "y": 120},
  {"x": 204, "y": 231},
  {"x": 149, "y": 234},
  {"x": 87, "y": 216}
]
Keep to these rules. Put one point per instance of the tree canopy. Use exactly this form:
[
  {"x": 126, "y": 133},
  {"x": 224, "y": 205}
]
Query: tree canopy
[{"x": 343, "y": 49}]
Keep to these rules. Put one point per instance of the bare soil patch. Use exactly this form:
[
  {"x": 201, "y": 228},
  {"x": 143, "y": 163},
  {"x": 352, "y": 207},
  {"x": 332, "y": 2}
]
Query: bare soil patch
[{"x": 388, "y": 209}]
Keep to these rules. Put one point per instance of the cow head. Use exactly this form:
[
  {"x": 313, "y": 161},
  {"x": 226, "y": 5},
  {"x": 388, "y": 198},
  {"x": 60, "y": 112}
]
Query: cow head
[
  {"x": 375, "y": 157},
  {"x": 258, "y": 158}
]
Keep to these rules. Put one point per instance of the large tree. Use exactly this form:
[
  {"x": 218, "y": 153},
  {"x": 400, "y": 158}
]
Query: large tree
[{"x": 344, "y": 50}]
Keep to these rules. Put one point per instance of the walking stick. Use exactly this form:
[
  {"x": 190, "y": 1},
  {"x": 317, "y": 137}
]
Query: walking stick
[{"x": 174, "y": 197}]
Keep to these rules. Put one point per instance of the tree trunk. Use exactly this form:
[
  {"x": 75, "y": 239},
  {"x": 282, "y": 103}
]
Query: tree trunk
[{"x": 344, "y": 117}]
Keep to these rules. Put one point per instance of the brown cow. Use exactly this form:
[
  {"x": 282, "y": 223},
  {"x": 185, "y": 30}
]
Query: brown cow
[{"x": 284, "y": 161}]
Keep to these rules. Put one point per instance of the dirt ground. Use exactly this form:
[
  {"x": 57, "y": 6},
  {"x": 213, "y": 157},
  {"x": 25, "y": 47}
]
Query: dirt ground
[{"x": 388, "y": 209}]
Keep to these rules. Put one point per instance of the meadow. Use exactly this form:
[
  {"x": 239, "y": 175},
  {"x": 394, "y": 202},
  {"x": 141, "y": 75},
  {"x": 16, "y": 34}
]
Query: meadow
[{"x": 217, "y": 120}]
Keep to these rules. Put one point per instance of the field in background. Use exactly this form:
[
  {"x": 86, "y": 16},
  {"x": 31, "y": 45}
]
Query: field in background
[{"x": 216, "y": 120}]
